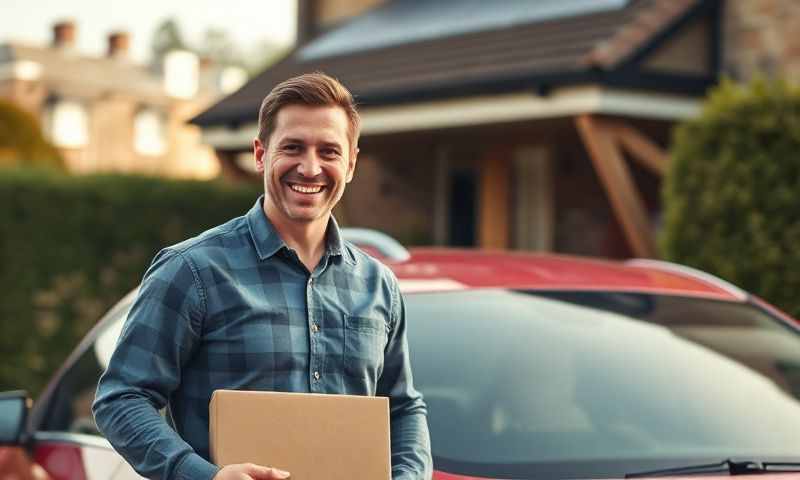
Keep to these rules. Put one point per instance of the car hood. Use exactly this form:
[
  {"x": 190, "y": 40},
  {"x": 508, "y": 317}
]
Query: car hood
[{"x": 437, "y": 475}]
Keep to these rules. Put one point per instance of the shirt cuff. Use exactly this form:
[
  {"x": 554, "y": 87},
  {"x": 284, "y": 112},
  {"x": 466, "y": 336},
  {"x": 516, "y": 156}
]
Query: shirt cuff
[
  {"x": 195, "y": 467},
  {"x": 404, "y": 475}
]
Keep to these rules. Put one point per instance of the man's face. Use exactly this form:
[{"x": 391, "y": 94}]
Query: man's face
[{"x": 307, "y": 162}]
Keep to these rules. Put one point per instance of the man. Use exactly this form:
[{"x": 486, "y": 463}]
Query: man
[{"x": 273, "y": 300}]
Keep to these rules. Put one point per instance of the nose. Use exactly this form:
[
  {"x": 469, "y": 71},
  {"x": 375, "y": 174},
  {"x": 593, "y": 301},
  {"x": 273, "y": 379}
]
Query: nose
[{"x": 310, "y": 165}]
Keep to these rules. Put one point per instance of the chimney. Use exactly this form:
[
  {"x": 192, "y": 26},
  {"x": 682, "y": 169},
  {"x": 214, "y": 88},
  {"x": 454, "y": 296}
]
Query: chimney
[
  {"x": 306, "y": 21},
  {"x": 316, "y": 16},
  {"x": 64, "y": 34},
  {"x": 118, "y": 44}
]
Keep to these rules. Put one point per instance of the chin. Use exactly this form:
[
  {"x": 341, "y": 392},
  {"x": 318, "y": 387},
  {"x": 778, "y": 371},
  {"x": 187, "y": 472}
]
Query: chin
[{"x": 304, "y": 215}]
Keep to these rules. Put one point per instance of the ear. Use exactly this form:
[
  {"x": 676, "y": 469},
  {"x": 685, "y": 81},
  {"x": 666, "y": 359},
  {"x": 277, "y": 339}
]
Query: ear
[
  {"x": 259, "y": 153},
  {"x": 351, "y": 164}
]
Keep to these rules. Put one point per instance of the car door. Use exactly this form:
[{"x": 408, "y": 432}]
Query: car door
[{"x": 67, "y": 443}]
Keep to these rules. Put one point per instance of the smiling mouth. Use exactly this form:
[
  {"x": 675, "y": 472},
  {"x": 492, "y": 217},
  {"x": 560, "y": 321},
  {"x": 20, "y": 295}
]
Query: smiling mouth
[{"x": 306, "y": 189}]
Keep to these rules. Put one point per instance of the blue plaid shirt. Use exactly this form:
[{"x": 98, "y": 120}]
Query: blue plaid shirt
[{"x": 234, "y": 308}]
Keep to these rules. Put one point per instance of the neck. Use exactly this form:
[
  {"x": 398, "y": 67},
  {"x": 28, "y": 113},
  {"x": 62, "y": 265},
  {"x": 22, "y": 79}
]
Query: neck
[{"x": 305, "y": 238}]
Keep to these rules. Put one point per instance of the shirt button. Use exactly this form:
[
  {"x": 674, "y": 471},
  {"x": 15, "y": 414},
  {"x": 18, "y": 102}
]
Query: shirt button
[
  {"x": 315, "y": 328},
  {"x": 316, "y": 375}
]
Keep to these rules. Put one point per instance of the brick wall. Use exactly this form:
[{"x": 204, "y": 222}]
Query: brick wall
[
  {"x": 392, "y": 191},
  {"x": 762, "y": 36}
]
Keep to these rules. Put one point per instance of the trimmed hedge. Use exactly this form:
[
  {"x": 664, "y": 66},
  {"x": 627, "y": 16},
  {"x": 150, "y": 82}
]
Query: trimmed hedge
[
  {"x": 72, "y": 246},
  {"x": 732, "y": 192}
]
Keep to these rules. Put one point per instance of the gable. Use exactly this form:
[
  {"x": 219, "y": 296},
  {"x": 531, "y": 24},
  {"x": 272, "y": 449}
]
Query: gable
[{"x": 688, "y": 51}]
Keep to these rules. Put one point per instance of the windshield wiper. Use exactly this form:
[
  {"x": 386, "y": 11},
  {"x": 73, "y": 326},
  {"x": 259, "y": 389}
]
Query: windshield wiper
[{"x": 729, "y": 466}]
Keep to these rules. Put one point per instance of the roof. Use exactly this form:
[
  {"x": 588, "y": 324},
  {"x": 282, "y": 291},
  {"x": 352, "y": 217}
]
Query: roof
[
  {"x": 409, "y": 50},
  {"x": 403, "y": 22},
  {"x": 439, "y": 269},
  {"x": 71, "y": 74}
]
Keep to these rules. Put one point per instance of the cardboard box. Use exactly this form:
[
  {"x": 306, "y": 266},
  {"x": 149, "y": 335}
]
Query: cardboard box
[{"x": 312, "y": 436}]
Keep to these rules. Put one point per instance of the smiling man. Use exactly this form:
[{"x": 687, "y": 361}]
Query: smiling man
[{"x": 273, "y": 300}]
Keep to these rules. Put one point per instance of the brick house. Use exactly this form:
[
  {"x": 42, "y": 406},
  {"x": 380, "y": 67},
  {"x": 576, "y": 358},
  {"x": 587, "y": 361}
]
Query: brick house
[
  {"x": 110, "y": 114},
  {"x": 538, "y": 125}
]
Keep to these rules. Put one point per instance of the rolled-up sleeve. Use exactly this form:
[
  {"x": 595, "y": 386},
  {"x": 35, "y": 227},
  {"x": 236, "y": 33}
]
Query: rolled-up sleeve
[
  {"x": 159, "y": 337},
  {"x": 410, "y": 439}
]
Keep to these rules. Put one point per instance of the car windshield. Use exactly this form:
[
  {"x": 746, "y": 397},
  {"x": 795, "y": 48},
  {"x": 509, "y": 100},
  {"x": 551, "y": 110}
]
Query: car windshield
[{"x": 520, "y": 379}]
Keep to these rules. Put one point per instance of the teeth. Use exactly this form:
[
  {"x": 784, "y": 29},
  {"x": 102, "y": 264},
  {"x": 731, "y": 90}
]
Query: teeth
[{"x": 304, "y": 189}]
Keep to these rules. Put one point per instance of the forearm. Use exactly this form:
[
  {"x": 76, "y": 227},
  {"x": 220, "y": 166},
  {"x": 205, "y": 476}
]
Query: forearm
[
  {"x": 141, "y": 435},
  {"x": 145, "y": 370},
  {"x": 411, "y": 458},
  {"x": 411, "y": 445}
]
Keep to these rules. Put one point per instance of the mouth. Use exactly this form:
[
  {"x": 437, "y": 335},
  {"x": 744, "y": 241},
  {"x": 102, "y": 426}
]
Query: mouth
[{"x": 306, "y": 189}]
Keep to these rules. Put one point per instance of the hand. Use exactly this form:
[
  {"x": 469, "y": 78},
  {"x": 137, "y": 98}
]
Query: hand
[
  {"x": 14, "y": 464},
  {"x": 250, "y": 471}
]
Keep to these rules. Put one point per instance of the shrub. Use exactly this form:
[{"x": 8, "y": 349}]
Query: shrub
[
  {"x": 22, "y": 142},
  {"x": 72, "y": 246},
  {"x": 731, "y": 194}
]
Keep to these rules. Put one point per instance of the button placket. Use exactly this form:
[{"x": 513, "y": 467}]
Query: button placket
[{"x": 313, "y": 340}]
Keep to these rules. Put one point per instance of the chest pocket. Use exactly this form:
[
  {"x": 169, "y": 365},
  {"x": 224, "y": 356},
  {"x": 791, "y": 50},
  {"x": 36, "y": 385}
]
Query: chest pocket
[{"x": 364, "y": 341}]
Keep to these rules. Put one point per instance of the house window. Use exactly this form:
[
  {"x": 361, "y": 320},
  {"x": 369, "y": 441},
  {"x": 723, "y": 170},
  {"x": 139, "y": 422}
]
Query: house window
[
  {"x": 181, "y": 76},
  {"x": 148, "y": 131},
  {"x": 231, "y": 79},
  {"x": 69, "y": 124},
  {"x": 246, "y": 162}
]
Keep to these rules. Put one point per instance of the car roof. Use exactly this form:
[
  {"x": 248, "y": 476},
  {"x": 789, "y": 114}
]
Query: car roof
[{"x": 442, "y": 269}]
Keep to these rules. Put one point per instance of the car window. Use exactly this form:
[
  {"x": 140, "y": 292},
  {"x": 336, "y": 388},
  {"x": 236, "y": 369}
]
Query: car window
[
  {"x": 516, "y": 377},
  {"x": 70, "y": 408}
]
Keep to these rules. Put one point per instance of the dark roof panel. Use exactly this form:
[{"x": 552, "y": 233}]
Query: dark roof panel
[{"x": 408, "y": 21}]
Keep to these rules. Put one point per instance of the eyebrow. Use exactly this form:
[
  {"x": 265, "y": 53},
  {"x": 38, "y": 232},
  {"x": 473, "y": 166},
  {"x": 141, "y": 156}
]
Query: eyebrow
[
  {"x": 291, "y": 140},
  {"x": 331, "y": 144},
  {"x": 324, "y": 143}
]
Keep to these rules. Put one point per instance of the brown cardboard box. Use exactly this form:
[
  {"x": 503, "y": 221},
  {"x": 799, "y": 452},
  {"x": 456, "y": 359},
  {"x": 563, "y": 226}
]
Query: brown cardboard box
[{"x": 312, "y": 436}]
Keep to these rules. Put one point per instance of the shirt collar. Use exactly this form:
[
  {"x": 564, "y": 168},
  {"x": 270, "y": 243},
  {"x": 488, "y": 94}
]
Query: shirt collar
[
  {"x": 333, "y": 238},
  {"x": 265, "y": 237},
  {"x": 268, "y": 242}
]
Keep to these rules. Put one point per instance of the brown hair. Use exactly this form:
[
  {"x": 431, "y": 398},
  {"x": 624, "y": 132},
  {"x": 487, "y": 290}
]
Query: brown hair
[{"x": 312, "y": 89}]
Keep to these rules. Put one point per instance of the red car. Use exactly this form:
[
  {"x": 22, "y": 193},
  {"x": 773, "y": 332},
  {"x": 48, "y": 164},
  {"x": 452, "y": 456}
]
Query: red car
[{"x": 543, "y": 367}]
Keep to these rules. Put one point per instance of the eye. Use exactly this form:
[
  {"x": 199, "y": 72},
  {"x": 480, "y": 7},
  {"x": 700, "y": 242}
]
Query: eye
[
  {"x": 291, "y": 148},
  {"x": 329, "y": 152}
]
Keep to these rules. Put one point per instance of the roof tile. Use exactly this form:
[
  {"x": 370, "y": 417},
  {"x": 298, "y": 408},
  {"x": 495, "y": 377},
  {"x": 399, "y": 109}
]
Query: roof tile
[{"x": 517, "y": 56}]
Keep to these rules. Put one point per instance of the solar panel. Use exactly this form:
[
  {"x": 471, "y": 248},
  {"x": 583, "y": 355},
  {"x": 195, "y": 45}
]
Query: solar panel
[{"x": 406, "y": 21}]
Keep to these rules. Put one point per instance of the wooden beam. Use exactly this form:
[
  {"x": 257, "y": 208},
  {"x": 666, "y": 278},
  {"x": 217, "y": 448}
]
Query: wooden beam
[
  {"x": 641, "y": 149},
  {"x": 619, "y": 185},
  {"x": 534, "y": 198},
  {"x": 441, "y": 195},
  {"x": 494, "y": 201}
]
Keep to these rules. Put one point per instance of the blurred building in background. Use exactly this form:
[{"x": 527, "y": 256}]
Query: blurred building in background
[
  {"x": 528, "y": 124},
  {"x": 110, "y": 114}
]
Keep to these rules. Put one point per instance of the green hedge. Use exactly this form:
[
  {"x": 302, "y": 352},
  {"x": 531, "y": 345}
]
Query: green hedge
[
  {"x": 732, "y": 192},
  {"x": 72, "y": 246}
]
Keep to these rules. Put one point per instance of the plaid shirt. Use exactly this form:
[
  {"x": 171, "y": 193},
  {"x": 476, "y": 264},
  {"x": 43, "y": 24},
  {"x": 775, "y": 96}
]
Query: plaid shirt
[{"x": 234, "y": 308}]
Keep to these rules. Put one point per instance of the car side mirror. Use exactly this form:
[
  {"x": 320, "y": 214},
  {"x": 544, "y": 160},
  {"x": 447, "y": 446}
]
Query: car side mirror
[{"x": 14, "y": 408}]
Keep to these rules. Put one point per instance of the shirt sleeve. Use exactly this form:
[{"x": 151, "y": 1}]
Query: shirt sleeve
[
  {"x": 159, "y": 336},
  {"x": 410, "y": 439}
]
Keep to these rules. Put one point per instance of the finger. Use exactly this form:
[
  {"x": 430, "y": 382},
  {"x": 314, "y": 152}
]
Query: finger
[
  {"x": 39, "y": 473},
  {"x": 259, "y": 472}
]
